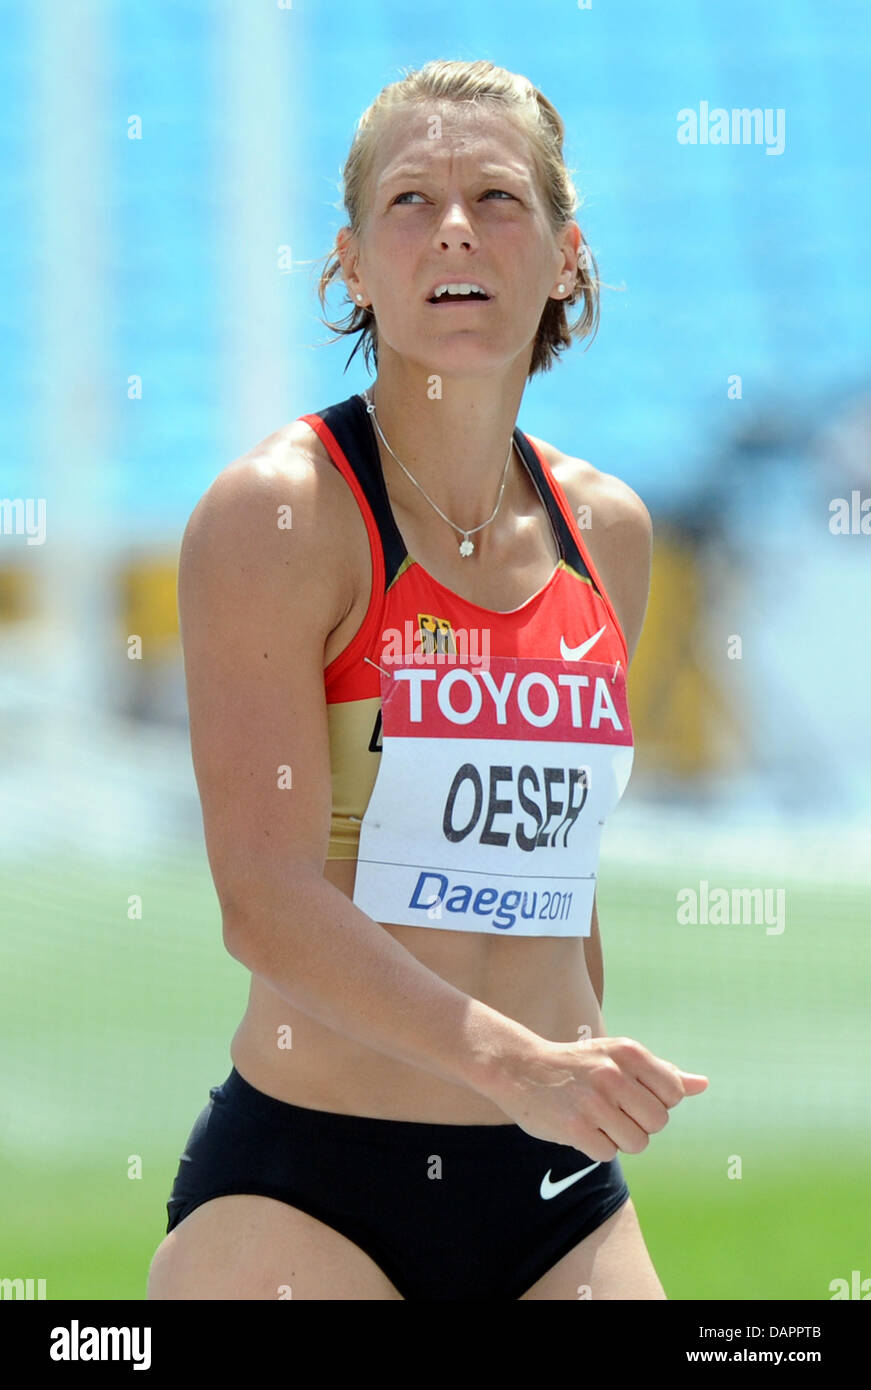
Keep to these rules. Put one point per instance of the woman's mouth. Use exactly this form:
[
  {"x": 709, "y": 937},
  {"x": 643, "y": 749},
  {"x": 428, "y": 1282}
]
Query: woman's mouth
[{"x": 459, "y": 292}]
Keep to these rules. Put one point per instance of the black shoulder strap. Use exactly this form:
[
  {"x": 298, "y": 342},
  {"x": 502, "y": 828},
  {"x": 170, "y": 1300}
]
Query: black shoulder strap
[
  {"x": 567, "y": 545},
  {"x": 349, "y": 422}
]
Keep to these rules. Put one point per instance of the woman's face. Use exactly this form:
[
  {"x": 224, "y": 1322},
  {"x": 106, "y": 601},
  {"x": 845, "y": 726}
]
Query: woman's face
[{"x": 453, "y": 197}]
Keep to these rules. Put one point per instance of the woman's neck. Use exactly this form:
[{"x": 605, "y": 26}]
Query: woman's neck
[{"x": 454, "y": 445}]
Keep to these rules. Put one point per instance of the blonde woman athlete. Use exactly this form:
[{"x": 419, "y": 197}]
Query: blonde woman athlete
[{"x": 406, "y": 670}]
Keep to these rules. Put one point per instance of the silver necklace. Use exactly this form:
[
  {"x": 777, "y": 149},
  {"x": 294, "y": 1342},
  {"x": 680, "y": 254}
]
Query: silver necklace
[{"x": 466, "y": 546}]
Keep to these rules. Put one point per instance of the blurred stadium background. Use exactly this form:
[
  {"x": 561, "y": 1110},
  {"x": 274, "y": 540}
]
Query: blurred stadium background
[{"x": 170, "y": 175}]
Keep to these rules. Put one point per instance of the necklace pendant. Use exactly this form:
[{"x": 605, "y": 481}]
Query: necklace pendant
[{"x": 466, "y": 546}]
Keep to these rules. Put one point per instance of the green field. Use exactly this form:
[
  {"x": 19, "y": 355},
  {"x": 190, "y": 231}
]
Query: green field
[
  {"x": 785, "y": 1234},
  {"x": 112, "y": 1029}
]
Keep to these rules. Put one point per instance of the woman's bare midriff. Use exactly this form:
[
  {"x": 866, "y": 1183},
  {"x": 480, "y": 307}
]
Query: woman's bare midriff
[{"x": 542, "y": 982}]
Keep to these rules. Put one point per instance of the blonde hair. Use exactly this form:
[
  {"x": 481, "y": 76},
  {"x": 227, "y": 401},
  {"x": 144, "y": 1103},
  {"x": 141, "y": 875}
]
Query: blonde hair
[{"x": 473, "y": 82}]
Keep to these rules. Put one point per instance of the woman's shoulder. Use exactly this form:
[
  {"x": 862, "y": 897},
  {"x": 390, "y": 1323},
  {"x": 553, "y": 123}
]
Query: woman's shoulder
[
  {"x": 616, "y": 528},
  {"x": 585, "y": 486},
  {"x": 287, "y": 479},
  {"x": 279, "y": 509}
]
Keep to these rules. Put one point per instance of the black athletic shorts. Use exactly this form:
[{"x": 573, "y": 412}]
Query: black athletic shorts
[{"x": 447, "y": 1211}]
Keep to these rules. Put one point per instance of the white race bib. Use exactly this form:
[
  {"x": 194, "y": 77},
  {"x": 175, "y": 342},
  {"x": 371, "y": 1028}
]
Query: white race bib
[{"x": 494, "y": 784}]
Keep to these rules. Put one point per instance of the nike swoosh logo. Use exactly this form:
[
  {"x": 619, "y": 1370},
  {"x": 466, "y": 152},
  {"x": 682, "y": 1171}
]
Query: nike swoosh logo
[
  {"x": 552, "y": 1189},
  {"x": 575, "y": 653}
]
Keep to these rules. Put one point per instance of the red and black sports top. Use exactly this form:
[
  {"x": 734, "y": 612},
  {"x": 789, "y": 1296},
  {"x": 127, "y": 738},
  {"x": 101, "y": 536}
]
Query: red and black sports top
[{"x": 474, "y": 753}]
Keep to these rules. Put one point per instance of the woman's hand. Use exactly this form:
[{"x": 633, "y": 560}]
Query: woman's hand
[{"x": 599, "y": 1095}]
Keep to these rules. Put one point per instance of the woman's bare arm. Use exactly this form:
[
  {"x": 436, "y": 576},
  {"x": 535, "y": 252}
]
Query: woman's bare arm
[{"x": 256, "y": 603}]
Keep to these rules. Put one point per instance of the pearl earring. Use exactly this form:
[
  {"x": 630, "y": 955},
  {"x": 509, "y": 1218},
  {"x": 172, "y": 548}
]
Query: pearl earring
[
  {"x": 359, "y": 299},
  {"x": 561, "y": 288}
]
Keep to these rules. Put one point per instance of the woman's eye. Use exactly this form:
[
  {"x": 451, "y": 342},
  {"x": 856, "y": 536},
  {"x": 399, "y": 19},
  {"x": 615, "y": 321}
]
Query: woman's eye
[{"x": 504, "y": 191}]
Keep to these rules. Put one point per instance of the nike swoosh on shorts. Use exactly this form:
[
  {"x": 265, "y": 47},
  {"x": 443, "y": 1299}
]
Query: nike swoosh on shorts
[
  {"x": 553, "y": 1189},
  {"x": 575, "y": 653}
]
